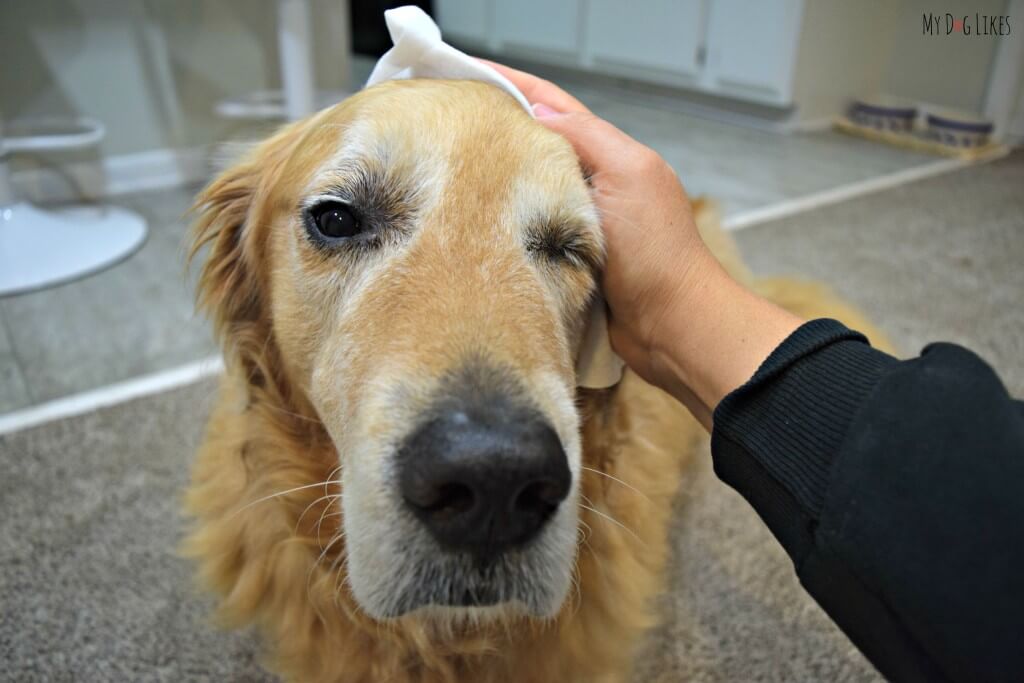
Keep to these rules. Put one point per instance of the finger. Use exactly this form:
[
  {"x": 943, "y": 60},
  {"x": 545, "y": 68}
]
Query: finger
[
  {"x": 599, "y": 145},
  {"x": 537, "y": 89}
]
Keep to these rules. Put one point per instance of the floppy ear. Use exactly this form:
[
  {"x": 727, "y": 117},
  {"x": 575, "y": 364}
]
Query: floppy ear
[
  {"x": 227, "y": 290},
  {"x": 229, "y": 236}
]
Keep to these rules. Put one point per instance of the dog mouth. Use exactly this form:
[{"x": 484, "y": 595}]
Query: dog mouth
[
  {"x": 404, "y": 570},
  {"x": 522, "y": 582},
  {"x": 480, "y": 587}
]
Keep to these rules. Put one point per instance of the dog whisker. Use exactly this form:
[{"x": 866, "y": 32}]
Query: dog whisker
[
  {"x": 593, "y": 554},
  {"x": 574, "y": 576},
  {"x": 290, "y": 413},
  {"x": 323, "y": 553},
  {"x": 333, "y": 569},
  {"x": 612, "y": 520},
  {"x": 341, "y": 578},
  {"x": 281, "y": 493},
  {"x": 322, "y": 517},
  {"x": 340, "y": 535},
  {"x": 605, "y": 474},
  {"x": 585, "y": 538},
  {"x": 329, "y": 498}
]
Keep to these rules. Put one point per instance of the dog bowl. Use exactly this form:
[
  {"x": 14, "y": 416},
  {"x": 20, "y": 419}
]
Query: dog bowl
[
  {"x": 883, "y": 113},
  {"x": 958, "y": 130}
]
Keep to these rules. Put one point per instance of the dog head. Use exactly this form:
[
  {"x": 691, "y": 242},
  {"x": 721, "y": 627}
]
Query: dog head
[{"x": 419, "y": 259}]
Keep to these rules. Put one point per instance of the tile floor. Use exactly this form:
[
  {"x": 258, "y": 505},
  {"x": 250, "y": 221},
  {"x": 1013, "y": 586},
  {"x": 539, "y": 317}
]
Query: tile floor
[
  {"x": 129, "y": 320},
  {"x": 137, "y": 317},
  {"x": 745, "y": 168}
]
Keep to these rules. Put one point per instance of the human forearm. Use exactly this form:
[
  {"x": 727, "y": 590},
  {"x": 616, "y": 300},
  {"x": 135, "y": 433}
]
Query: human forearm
[
  {"x": 894, "y": 487},
  {"x": 713, "y": 338}
]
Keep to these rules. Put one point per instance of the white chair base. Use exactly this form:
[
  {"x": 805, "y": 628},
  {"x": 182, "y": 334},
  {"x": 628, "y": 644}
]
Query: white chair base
[{"x": 39, "y": 247}]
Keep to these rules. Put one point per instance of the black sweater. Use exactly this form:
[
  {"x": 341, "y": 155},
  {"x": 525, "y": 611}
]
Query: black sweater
[{"x": 897, "y": 488}]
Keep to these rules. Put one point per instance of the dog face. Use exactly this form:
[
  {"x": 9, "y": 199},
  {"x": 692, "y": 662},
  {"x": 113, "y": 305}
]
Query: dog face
[{"x": 424, "y": 254}]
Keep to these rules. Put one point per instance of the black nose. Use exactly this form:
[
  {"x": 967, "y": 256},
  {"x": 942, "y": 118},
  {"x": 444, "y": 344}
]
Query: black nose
[{"x": 484, "y": 480}]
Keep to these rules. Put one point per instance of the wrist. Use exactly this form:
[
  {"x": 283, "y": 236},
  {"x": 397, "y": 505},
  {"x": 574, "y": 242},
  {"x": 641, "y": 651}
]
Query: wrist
[{"x": 713, "y": 338}]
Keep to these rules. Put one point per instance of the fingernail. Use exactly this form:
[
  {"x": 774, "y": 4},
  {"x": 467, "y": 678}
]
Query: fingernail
[{"x": 543, "y": 111}]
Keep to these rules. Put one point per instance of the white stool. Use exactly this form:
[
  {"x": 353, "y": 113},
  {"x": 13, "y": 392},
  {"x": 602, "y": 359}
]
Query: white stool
[{"x": 44, "y": 247}]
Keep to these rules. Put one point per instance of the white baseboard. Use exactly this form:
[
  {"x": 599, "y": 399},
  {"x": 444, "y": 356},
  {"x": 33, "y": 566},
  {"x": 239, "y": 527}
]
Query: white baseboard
[
  {"x": 790, "y": 207},
  {"x": 120, "y": 392},
  {"x": 810, "y": 125},
  {"x": 111, "y": 176}
]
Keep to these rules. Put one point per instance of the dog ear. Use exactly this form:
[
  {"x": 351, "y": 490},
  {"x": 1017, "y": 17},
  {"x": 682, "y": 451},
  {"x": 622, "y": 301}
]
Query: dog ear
[
  {"x": 229, "y": 237},
  {"x": 227, "y": 289}
]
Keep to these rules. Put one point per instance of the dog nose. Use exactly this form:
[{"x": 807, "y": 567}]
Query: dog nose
[{"x": 484, "y": 481}]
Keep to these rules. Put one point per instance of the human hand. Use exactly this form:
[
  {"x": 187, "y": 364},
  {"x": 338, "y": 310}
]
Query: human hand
[{"x": 676, "y": 317}]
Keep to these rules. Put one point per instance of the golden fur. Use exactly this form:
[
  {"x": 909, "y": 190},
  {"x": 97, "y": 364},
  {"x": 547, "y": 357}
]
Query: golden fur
[{"x": 270, "y": 543}]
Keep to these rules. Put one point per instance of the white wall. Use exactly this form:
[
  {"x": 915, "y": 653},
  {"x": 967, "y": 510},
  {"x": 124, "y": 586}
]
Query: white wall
[
  {"x": 845, "y": 50},
  {"x": 1015, "y": 129},
  {"x": 947, "y": 70}
]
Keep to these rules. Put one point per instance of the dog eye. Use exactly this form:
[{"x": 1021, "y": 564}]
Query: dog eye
[
  {"x": 336, "y": 220},
  {"x": 563, "y": 246}
]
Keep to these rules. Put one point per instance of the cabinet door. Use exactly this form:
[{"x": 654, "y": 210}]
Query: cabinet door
[
  {"x": 462, "y": 20},
  {"x": 551, "y": 26},
  {"x": 653, "y": 40},
  {"x": 751, "y": 48}
]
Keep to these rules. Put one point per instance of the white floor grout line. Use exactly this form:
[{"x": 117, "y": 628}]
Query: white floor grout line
[
  {"x": 789, "y": 207},
  {"x": 88, "y": 401},
  {"x": 165, "y": 380}
]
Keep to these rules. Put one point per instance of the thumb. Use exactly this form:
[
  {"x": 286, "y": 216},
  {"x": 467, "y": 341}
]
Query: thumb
[{"x": 599, "y": 145}]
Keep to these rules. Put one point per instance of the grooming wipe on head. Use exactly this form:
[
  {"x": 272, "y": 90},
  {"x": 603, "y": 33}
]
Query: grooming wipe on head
[{"x": 419, "y": 52}]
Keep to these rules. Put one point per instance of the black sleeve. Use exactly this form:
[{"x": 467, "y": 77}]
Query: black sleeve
[{"x": 897, "y": 488}]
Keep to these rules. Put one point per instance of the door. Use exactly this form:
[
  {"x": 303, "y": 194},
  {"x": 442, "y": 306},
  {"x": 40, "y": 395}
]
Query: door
[
  {"x": 552, "y": 27},
  {"x": 463, "y": 21},
  {"x": 751, "y": 48},
  {"x": 658, "y": 40}
]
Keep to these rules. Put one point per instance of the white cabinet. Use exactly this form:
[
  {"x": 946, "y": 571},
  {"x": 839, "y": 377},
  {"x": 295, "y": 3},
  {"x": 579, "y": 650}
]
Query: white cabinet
[
  {"x": 551, "y": 26},
  {"x": 736, "y": 48},
  {"x": 657, "y": 39},
  {"x": 751, "y": 48},
  {"x": 463, "y": 20}
]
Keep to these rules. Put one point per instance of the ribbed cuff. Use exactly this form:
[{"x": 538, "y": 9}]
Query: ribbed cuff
[{"x": 792, "y": 416}]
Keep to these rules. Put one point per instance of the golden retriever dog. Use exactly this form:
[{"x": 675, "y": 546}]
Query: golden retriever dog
[{"x": 401, "y": 480}]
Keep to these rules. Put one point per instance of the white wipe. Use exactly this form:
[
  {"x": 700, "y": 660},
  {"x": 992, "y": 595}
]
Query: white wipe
[{"x": 419, "y": 52}]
